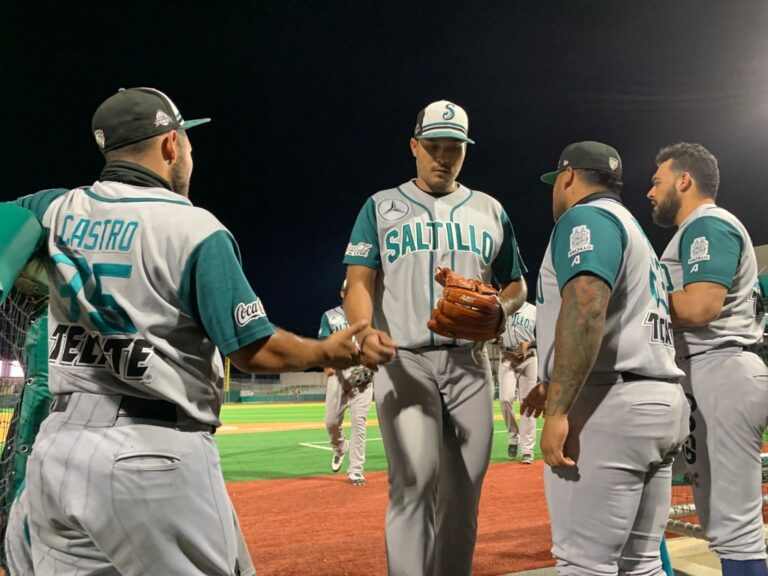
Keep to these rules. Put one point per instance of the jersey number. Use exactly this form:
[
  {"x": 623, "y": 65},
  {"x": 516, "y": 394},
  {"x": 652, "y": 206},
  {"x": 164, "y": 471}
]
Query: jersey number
[
  {"x": 660, "y": 284},
  {"x": 108, "y": 317}
]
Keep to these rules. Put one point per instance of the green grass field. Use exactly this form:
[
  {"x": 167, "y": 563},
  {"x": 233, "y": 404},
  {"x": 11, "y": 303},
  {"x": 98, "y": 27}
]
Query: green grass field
[{"x": 285, "y": 454}]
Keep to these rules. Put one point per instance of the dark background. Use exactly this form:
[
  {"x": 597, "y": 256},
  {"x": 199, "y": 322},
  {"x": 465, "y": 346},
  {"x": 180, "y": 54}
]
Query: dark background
[{"x": 313, "y": 104}]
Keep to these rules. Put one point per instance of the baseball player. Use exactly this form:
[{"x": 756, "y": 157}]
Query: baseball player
[
  {"x": 146, "y": 292},
  {"x": 351, "y": 388},
  {"x": 717, "y": 312},
  {"x": 518, "y": 373},
  {"x": 435, "y": 399},
  {"x": 615, "y": 413}
]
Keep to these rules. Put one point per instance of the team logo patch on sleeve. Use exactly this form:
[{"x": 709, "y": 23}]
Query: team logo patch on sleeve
[
  {"x": 581, "y": 240},
  {"x": 245, "y": 313},
  {"x": 359, "y": 249},
  {"x": 699, "y": 250}
]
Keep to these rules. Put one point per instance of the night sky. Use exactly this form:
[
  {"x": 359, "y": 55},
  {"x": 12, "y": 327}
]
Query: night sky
[{"x": 313, "y": 104}]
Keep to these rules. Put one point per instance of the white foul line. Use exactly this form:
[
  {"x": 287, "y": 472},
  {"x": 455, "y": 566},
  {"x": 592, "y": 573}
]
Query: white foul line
[{"x": 324, "y": 445}]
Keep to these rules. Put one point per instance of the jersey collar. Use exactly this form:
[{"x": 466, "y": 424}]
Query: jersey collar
[
  {"x": 133, "y": 174},
  {"x": 598, "y": 196}
]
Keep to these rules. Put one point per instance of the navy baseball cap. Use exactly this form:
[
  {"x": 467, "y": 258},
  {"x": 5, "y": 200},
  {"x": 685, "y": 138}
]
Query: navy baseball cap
[
  {"x": 135, "y": 114},
  {"x": 443, "y": 119},
  {"x": 586, "y": 156}
]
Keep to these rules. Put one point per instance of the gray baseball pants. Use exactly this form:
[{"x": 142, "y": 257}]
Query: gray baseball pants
[
  {"x": 728, "y": 392},
  {"x": 608, "y": 513},
  {"x": 358, "y": 400},
  {"x": 511, "y": 378},
  {"x": 110, "y": 495},
  {"x": 19, "y": 548},
  {"x": 435, "y": 408}
]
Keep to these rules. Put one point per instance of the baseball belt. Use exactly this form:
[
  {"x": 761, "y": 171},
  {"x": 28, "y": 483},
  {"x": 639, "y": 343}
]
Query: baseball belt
[
  {"x": 157, "y": 412},
  {"x": 751, "y": 348}
]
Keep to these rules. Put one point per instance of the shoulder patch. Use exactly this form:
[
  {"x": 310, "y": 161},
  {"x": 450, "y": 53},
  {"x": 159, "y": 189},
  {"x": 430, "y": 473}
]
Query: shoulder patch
[
  {"x": 359, "y": 249},
  {"x": 581, "y": 240},
  {"x": 699, "y": 250}
]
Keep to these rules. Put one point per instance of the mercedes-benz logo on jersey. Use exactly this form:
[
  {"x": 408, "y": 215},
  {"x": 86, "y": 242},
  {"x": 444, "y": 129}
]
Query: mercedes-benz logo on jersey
[{"x": 392, "y": 210}]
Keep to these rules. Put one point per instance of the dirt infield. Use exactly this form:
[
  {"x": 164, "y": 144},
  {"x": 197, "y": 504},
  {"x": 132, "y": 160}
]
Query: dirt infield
[{"x": 322, "y": 526}]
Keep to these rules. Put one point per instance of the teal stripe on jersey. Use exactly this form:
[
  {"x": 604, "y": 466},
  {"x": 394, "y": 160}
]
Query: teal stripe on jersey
[
  {"x": 431, "y": 261},
  {"x": 710, "y": 251},
  {"x": 213, "y": 289},
  {"x": 588, "y": 239},
  {"x": 363, "y": 248},
  {"x": 508, "y": 265},
  {"x": 39, "y": 201},
  {"x": 450, "y": 217},
  {"x": 325, "y": 328},
  {"x": 90, "y": 193}
]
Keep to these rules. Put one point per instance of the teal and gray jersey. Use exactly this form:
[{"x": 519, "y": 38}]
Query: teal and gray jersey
[
  {"x": 711, "y": 245},
  {"x": 144, "y": 288},
  {"x": 406, "y": 233},
  {"x": 600, "y": 237},
  {"x": 521, "y": 326},
  {"x": 333, "y": 320}
]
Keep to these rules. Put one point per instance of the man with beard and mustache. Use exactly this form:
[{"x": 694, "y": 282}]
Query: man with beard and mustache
[
  {"x": 146, "y": 293},
  {"x": 717, "y": 316}
]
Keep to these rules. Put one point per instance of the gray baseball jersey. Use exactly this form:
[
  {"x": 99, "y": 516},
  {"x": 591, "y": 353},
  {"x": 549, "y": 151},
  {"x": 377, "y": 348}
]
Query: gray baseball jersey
[
  {"x": 602, "y": 237},
  {"x": 408, "y": 233},
  {"x": 521, "y": 326},
  {"x": 713, "y": 246},
  {"x": 136, "y": 310},
  {"x": 727, "y": 387},
  {"x": 144, "y": 288},
  {"x": 628, "y": 421}
]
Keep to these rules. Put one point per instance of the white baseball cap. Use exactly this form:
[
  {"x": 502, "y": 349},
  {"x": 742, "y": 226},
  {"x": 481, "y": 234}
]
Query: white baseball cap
[{"x": 443, "y": 119}]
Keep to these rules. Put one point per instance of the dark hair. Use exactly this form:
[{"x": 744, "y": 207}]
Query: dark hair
[
  {"x": 607, "y": 180},
  {"x": 137, "y": 148},
  {"x": 697, "y": 161}
]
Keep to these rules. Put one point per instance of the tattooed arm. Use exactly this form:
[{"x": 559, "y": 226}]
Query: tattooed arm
[{"x": 578, "y": 336}]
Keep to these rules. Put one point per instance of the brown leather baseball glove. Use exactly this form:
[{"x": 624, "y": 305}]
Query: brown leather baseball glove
[{"x": 468, "y": 310}]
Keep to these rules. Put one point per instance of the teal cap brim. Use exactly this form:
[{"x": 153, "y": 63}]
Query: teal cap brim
[
  {"x": 192, "y": 123},
  {"x": 550, "y": 177},
  {"x": 445, "y": 134}
]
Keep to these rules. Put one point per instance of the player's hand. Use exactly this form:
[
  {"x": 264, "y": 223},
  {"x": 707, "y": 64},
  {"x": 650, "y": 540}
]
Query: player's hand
[
  {"x": 341, "y": 349},
  {"x": 535, "y": 402},
  {"x": 377, "y": 348},
  {"x": 329, "y": 372},
  {"x": 552, "y": 441}
]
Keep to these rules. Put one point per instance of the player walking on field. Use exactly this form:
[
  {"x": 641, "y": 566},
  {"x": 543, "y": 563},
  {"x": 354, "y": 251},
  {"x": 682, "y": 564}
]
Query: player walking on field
[
  {"x": 435, "y": 399},
  {"x": 346, "y": 389},
  {"x": 717, "y": 312},
  {"x": 146, "y": 292},
  {"x": 615, "y": 414},
  {"x": 518, "y": 373}
]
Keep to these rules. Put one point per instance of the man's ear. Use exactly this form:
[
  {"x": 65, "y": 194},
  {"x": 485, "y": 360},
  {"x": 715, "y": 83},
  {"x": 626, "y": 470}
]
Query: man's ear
[
  {"x": 684, "y": 182},
  {"x": 169, "y": 146},
  {"x": 569, "y": 175}
]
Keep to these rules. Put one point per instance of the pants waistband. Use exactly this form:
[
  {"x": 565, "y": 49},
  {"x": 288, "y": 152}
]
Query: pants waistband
[
  {"x": 134, "y": 410},
  {"x": 622, "y": 377},
  {"x": 751, "y": 348}
]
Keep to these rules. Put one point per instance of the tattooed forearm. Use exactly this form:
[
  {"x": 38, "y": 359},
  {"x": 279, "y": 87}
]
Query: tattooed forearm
[{"x": 578, "y": 335}]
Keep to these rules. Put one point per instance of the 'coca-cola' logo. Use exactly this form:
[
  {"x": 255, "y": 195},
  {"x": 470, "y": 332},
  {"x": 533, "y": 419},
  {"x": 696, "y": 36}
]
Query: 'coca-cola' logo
[{"x": 244, "y": 313}]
